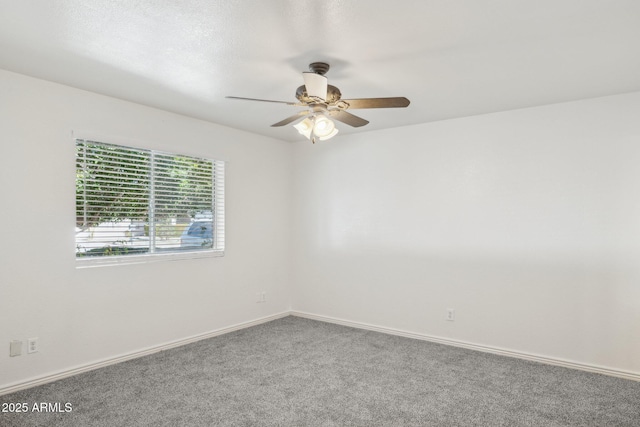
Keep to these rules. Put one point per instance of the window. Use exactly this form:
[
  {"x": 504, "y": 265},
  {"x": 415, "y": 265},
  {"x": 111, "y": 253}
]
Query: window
[{"x": 147, "y": 203}]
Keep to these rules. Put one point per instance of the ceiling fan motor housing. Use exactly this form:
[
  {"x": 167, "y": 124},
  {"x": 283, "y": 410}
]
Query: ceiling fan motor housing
[{"x": 333, "y": 95}]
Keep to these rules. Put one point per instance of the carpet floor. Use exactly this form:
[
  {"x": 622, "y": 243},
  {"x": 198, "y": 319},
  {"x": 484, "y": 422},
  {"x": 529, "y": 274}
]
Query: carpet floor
[{"x": 301, "y": 372}]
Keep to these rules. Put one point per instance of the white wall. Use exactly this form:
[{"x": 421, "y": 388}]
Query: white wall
[
  {"x": 82, "y": 316},
  {"x": 526, "y": 222}
]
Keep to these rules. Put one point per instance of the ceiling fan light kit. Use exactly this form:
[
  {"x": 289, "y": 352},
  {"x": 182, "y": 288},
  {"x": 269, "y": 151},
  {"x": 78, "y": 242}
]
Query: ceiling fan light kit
[
  {"x": 324, "y": 103},
  {"x": 318, "y": 127}
]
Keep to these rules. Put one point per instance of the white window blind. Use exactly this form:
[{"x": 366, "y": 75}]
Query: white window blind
[{"x": 131, "y": 201}]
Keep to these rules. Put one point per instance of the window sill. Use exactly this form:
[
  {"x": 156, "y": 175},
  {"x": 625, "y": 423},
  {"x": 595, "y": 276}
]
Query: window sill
[{"x": 105, "y": 261}]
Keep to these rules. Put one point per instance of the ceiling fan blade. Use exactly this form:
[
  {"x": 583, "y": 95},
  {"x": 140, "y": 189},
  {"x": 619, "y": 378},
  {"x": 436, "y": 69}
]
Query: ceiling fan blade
[
  {"x": 316, "y": 85},
  {"x": 397, "y": 102},
  {"x": 348, "y": 118},
  {"x": 265, "y": 100},
  {"x": 290, "y": 119}
]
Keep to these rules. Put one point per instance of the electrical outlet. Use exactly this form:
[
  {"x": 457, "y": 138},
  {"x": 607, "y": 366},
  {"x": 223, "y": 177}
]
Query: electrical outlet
[
  {"x": 32, "y": 345},
  {"x": 15, "y": 348},
  {"x": 451, "y": 314},
  {"x": 261, "y": 297}
]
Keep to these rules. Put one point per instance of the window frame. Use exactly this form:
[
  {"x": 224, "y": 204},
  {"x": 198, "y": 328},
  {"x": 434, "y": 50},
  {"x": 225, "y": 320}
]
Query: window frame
[{"x": 218, "y": 212}]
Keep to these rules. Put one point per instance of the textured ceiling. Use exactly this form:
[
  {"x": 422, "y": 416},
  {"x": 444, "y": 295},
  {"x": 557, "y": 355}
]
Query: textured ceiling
[{"x": 451, "y": 58}]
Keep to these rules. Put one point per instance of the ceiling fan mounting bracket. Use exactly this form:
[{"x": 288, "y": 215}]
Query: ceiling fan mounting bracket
[{"x": 319, "y": 68}]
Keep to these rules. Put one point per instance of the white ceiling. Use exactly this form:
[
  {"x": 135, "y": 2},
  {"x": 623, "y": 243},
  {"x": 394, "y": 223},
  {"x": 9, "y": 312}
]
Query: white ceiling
[{"x": 451, "y": 58}]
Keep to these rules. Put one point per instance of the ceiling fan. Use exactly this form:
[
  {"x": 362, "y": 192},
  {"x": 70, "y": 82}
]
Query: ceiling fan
[{"x": 323, "y": 103}]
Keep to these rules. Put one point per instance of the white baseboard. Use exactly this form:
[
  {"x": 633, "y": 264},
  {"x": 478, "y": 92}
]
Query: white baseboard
[
  {"x": 11, "y": 388},
  {"x": 635, "y": 376}
]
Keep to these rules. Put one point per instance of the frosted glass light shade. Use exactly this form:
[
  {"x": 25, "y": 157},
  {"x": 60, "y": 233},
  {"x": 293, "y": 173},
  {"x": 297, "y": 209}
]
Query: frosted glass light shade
[
  {"x": 331, "y": 135},
  {"x": 305, "y": 127},
  {"x": 323, "y": 127}
]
